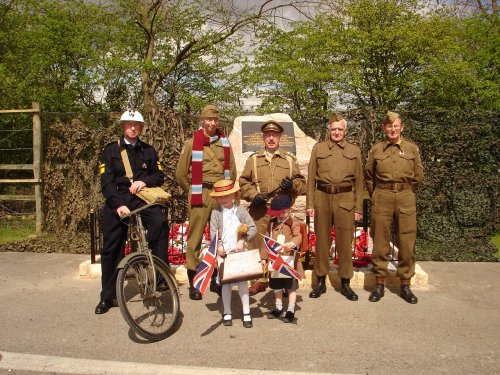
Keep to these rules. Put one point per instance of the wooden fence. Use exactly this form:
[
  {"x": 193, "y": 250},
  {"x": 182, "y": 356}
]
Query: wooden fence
[{"x": 35, "y": 167}]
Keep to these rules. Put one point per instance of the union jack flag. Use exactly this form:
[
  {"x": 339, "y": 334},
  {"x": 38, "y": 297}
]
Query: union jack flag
[
  {"x": 206, "y": 268},
  {"x": 273, "y": 249}
]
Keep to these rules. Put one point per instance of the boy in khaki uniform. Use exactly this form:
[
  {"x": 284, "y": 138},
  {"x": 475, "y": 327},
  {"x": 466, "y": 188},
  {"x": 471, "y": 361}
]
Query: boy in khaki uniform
[
  {"x": 204, "y": 160},
  {"x": 268, "y": 172},
  {"x": 334, "y": 197},
  {"x": 392, "y": 172}
]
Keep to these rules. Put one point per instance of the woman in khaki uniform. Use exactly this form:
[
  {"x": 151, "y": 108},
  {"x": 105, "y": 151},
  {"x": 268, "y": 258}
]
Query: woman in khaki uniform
[{"x": 392, "y": 172}]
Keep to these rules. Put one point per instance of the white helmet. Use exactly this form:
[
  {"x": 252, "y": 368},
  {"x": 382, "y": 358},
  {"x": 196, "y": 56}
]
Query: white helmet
[{"x": 131, "y": 115}]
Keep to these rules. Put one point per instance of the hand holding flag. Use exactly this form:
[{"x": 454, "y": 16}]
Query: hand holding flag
[
  {"x": 206, "y": 267},
  {"x": 273, "y": 249}
]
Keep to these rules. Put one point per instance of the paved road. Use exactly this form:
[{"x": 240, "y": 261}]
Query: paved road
[{"x": 48, "y": 326}]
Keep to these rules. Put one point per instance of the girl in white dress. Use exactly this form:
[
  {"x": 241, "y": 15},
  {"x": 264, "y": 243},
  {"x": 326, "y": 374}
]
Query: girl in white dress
[{"x": 234, "y": 226}]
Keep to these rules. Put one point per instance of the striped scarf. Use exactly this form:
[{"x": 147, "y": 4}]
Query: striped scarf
[{"x": 199, "y": 141}]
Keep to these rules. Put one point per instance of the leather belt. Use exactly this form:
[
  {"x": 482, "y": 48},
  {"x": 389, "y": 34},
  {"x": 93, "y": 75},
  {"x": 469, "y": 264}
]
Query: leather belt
[
  {"x": 395, "y": 186},
  {"x": 207, "y": 185},
  {"x": 331, "y": 189}
]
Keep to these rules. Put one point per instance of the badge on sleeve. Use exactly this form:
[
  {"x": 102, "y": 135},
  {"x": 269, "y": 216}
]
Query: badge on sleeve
[{"x": 102, "y": 168}]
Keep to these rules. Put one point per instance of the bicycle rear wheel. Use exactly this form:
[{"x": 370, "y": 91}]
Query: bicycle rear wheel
[{"x": 152, "y": 314}]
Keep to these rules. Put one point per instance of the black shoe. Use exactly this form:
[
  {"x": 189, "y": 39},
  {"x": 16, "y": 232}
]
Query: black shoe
[
  {"x": 406, "y": 294},
  {"x": 347, "y": 291},
  {"x": 274, "y": 314},
  {"x": 320, "y": 288},
  {"x": 377, "y": 294},
  {"x": 289, "y": 316},
  {"x": 247, "y": 324},
  {"x": 215, "y": 288},
  {"x": 103, "y": 306},
  {"x": 227, "y": 320},
  {"x": 194, "y": 294}
]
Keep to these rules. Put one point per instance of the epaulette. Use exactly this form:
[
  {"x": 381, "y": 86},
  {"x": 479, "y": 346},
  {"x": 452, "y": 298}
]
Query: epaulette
[
  {"x": 354, "y": 143},
  {"x": 409, "y": 141},
  {"x": 292, "y": 155},
  {"x": 110, "y": 143}
]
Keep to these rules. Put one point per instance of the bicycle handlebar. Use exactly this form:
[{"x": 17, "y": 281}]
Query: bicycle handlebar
[{"x": 155, "y": 203}]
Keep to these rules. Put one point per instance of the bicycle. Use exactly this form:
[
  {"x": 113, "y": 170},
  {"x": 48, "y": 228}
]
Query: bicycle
[{"x": 146, "y": 289}]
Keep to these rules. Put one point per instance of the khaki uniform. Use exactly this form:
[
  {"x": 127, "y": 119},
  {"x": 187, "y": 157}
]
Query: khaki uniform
[
  {"x": 269, "y": 172},
  {"x": 392, "y": 172},
  {"x": 213, "y": 171},
  {"x": 334, "y": 166}
]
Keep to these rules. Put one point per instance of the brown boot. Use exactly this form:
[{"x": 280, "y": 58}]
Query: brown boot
[{"x": 257, "y": 287}]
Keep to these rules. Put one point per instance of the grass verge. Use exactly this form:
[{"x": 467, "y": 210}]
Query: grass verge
[{"x": 16, "y": 230}]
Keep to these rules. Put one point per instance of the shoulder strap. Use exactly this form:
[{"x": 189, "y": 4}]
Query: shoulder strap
[
  {"x": 214, "y": 157},
  {"x": 290, "y": 163},
  {"x": 254, "y": 158},
  {"x": 126, "y": 162}
]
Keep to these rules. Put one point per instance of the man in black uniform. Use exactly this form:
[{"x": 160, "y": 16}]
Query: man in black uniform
[{"x": 120, "y": 196}]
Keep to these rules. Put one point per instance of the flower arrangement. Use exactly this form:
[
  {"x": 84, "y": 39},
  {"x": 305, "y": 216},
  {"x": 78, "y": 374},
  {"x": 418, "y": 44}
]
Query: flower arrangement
[
  {"x": 177, "y": 242},
  {"x": 361, "y": 255}
]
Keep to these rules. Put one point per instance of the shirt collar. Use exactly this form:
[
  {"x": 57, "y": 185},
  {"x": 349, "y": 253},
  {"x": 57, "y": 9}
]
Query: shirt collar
[
  {"x": 124, "y": 142},
  {"x": 341, "y": 144},
  {"x": 397, "y": 144}
]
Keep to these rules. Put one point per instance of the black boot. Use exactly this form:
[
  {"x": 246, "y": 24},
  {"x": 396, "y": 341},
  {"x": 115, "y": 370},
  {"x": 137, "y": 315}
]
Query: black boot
[
  {"x": 377, "y": 294},
  {"x": 406, "y": 294},
  {"x": 320, "y": 288},
  {"x": 347, "y": 291},
  {"x": 193, "y": 292}
]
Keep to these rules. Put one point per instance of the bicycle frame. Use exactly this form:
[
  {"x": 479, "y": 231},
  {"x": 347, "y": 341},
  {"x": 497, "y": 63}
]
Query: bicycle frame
[{"x": 138, "y": 235}]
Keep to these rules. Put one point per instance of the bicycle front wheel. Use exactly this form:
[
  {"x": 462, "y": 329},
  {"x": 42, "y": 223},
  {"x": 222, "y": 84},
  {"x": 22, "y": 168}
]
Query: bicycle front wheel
[{"x": 151, "y": 312}]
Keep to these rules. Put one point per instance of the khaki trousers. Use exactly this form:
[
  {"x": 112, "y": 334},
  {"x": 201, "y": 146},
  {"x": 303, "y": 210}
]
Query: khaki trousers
[
  {"x": 198, "y": 219},
  {"x": 334, "y": 210},
  {"x": 390, "y": 207}
]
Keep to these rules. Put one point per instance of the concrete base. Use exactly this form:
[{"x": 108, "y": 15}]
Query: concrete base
[
  {"x": 363, "y": 277},
  {"x": 88, "y": 270}
]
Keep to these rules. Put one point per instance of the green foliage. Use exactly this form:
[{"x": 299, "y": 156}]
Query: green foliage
[
  {"x": 460, "y": 250},
  {"x": 458, "y": 202},
  {"x": 378, "y": 54}
]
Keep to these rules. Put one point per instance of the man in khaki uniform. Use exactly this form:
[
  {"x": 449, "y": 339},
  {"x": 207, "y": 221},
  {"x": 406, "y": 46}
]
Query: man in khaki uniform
[
  {"x": 392, "y": 173},
  {"x": 268, "y": 172},
  {"x": 204, "y": 160},
  {"x": 334, "y": 197}
]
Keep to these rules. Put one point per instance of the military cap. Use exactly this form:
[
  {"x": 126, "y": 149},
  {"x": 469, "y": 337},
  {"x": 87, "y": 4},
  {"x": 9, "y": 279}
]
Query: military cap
[
  {"x": 210, "y": 111},
  {"x": 271, "y": 126},
  {"x": 390, "y": 117},
  {"x": 335, "y": 117}
]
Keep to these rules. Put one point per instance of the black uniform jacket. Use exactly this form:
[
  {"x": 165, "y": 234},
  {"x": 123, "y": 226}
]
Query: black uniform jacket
[{"x": 114, "y": 182}]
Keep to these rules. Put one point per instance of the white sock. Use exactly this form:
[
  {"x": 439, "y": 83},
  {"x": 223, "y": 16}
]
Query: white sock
[
  {"x": 291, "y": 308},
  {"x": 226, "y": 298}
]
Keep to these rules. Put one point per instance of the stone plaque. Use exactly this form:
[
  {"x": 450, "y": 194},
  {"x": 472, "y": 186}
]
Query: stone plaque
[{"x": 251, "y": 140}]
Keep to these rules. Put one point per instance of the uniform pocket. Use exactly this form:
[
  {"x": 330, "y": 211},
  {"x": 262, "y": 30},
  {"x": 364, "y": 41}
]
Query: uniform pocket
[
  {"x": 348, "y": 206},
  {"x": 345, "y": 216},
  {"x": 408, "y": 219}
]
